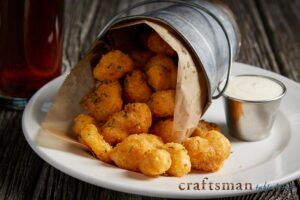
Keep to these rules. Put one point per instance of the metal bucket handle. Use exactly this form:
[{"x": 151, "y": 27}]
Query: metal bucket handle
[{"x": 188, "y": 4}]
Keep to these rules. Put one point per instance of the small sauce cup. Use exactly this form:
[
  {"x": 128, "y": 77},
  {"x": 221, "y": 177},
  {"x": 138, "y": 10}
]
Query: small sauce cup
[{"x": 251, "y": 120}]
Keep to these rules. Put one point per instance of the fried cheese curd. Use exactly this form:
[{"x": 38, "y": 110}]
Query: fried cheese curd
[
  {"x": 114, "y": 130},
  {"x": 136, "y": 88},
  {"x": 81, "y": 121},
  {"x": 156, "y": 44},
  {"x": 204, "y": 127},
  {"x": 164, "y": 129},
  {"x": 92, "y": 138},
  {"x": 135, "y": 118},
  {"x": 139, "y": 118},
  {"x": 161, "y": 72},
  {"x": 105, "y": 100},
  {"x": 162, "y": 103},
  {"x": 156, "y": 162},
  {"x": 208, "y": 153},
  {"x": 113, "y": 66},
  {"x": 131, "y": 151},
  {"x": 140, "y": 58},
  {"x": 181, "y": 164}
]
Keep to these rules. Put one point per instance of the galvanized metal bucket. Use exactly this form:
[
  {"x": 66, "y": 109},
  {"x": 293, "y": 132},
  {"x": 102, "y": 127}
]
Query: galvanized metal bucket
[{"x": 208, "y": 30}]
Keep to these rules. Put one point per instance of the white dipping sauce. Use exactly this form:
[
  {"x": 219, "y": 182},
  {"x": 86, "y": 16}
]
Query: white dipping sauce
[{"x": 253, "y": 88}]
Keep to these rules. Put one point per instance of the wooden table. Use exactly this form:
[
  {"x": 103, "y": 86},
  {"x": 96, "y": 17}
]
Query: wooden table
[{"x": 270, "y": 39}]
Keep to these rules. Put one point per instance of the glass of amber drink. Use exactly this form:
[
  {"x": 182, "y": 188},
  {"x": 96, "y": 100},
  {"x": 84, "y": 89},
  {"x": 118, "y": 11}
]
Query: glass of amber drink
[{"x": 31, "y": 40}]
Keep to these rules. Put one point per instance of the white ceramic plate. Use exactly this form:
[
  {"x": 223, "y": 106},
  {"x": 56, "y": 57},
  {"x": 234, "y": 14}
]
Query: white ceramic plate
[{"x": 262, "y": 165}]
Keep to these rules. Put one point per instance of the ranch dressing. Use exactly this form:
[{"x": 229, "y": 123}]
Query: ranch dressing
[{"x": 253, "y": 88}]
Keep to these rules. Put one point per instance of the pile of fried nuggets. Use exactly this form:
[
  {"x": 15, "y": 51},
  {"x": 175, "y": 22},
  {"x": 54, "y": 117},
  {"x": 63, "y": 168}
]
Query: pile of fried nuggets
[{"x": 130, "y": 116}]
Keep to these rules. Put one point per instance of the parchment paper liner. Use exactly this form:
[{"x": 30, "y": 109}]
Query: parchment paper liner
[{"x": 191, "y": 92}]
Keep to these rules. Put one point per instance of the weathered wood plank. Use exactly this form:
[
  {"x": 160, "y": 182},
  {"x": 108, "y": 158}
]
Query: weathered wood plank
[
  {"x": 282, "y": 24},
  {"x": 83, "y": 21},
  {"x": 18, "y": 163},
  {"x": 256, "y": 49}
]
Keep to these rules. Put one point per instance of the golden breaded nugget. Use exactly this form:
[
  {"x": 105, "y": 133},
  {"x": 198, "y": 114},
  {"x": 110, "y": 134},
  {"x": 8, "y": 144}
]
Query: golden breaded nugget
[
  {"x": 91, "y": 137},
  {"x": 156, "y": 44},
  {"x": 155, "y": 162},
  {"x": 130, "y": 152},
  {"x": 162, "y": 103},
  {"x": 164, "y": 129},
  {"x": 160, "y": 59},
  {"x": 208, "y": 154},
  {"x": 161, "y": 72},
  {"x": 81, "y": 121},
  {"x": 138, "y": 118},
  {"x": 136, "y": 88},
  {"x": 140, "y": 58},
  {"x": 181, "y": 164},
  {"x": 112, "y": 66},
  {"x": 202, "y": 154},
  {"x": 114, "y": 135},
  {"x": 135, "y": 118},
  {"x": 204, "y": 127},
  {"x": 114, "y": 130},
  {"x": 104, "y": 101},
  {"x": 220, "y": 143}
]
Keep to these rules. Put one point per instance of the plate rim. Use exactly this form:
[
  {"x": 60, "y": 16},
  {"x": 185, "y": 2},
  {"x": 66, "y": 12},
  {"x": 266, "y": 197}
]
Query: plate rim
[{"x": 131, "y": 190}]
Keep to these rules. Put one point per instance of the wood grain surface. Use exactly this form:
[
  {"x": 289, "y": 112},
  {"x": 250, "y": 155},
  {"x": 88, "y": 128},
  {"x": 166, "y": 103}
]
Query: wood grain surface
[{"x": 270, "y": 39}]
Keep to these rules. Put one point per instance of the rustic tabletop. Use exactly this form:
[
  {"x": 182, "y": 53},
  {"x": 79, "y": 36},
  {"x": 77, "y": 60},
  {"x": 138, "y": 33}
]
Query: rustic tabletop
[{"x": 270, "y": 39}]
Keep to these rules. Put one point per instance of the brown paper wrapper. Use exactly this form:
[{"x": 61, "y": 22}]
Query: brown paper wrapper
[{"x": 191, "y": 90}]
